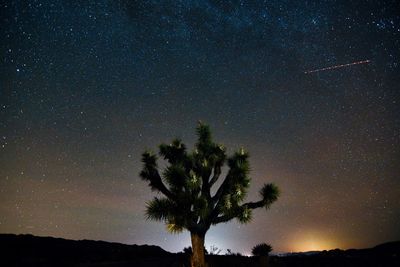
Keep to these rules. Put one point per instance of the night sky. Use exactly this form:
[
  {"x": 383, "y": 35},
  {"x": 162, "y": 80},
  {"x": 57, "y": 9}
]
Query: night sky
[{"x": 87, "y": 86}]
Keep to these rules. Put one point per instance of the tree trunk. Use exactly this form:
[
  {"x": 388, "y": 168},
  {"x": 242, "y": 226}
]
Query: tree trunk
[{"x": 198, "y": 257}]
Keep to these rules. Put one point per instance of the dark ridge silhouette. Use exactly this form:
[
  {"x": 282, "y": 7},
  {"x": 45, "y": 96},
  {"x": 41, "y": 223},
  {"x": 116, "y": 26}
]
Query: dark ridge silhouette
[
  {"x": 384, "y": 255},
  {"x": 29, "y": 250}
]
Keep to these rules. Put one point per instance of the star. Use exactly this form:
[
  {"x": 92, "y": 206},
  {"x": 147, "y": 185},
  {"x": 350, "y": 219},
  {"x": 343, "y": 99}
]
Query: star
[{"x": 90, "y": 86}]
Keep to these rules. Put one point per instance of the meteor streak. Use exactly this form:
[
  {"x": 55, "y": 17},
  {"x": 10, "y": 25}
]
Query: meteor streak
[{"x": 338, "y": 66}]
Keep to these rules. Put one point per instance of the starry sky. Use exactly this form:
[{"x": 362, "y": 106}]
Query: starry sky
[{"x": 87, "y": 86}]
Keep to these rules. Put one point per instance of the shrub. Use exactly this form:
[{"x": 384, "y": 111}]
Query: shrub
[{"x": 262, "y": 249}]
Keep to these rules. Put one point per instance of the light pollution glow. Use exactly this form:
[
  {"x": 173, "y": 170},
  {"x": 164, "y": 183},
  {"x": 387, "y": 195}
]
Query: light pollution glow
[{"x": 312, "y": 242}]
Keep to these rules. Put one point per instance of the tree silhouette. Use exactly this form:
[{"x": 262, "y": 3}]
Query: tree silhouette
[
  {"x": 261, "y": 250},
  {"x": 186, "y": 184}
]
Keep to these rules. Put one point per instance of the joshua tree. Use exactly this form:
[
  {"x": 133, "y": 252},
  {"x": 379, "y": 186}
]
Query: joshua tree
[
  {"x": 261, "y": 250},
  {"x": 186, "y": 184}
]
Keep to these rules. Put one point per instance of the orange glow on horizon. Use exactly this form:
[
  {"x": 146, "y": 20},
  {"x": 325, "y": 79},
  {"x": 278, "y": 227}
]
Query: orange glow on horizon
[{"x": 312, "y": 242}]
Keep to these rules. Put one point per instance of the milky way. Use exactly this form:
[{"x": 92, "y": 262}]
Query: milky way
[{"x": 87, "y": 86}]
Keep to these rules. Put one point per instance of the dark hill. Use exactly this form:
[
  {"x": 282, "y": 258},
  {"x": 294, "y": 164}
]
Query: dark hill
[
  {"x": 29, "y": 250},
  {"x": 386, "y": 249},
  {"x": 389, "y": 247},
  {"x": 384, "y": 255}
]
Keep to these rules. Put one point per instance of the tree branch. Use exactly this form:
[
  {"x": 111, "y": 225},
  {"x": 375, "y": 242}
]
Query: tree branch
[
  {"x": 163, "y": 189},
  {"x": 217, "y": 173},
  {"x": 158, "y": 184},
  {"x": 222, "y": 219},
  {"x": 249, "y": 205},
  {"x": 220, "y": 190},
  {"x": 254, "y": 205},
  {"x": 205, "y": 187},
  {"x": 150, "y": 174}
]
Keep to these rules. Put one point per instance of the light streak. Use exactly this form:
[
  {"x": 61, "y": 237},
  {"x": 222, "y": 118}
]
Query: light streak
[{"x": 338, "y": 66}]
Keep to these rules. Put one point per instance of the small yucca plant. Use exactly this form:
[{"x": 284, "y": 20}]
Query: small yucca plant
[{"x": 261, "y": 249}]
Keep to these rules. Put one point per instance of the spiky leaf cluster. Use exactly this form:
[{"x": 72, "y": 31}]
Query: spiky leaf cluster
[
  {"x": 262, "y": 249},
  {"x": 187, "y": 180}
]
